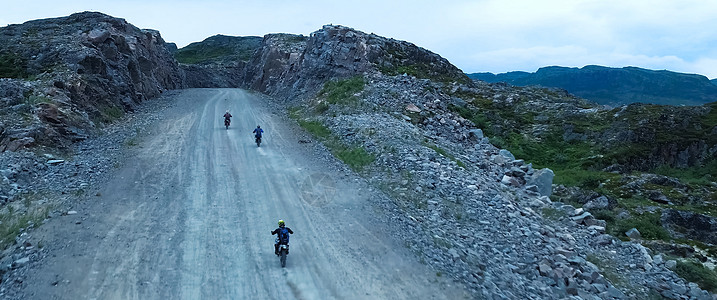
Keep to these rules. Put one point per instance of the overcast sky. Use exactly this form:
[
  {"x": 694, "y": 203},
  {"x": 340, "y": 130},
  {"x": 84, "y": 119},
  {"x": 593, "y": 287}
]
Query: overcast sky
[{"x": 477, "y": 36}]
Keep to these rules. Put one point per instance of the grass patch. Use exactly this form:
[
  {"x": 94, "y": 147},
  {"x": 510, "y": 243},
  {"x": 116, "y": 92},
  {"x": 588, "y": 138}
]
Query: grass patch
[
  {"x": 700, "y": 175},
  {"x": 697, "y": 273},
  {"x": 316, "y": 129},
  {"x": 647, "y": 223},
  {"x": 443, "y": 152},
  {"x": 343, "y": 91},
  {"x": 12, "y": 224},
  {"x": 554, "y": 214},
  {"x": 355, "y": 157}
]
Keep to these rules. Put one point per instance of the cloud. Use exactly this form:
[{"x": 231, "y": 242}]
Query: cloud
[{"x": 476, "y": 35}]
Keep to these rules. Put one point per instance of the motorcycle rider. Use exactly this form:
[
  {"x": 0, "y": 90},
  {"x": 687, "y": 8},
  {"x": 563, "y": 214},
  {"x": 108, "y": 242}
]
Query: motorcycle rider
[
  {"x": 227, "y": 117},
  {"x": 282, "y": 238},
  {"x": 257, "y": 132}
]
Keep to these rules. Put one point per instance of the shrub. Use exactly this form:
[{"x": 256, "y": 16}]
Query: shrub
[
  {"x": 343, "y": 91},
  {"x": 648, "y": 224},
  {"x": 697, "y": 273},
  {"x": 12, "y": 66}
]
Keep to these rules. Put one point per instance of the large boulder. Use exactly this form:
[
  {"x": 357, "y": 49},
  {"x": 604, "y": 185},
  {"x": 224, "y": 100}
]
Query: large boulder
[
  {"x": 686, "y": 224},
  {"x": 543, "y": 179}
]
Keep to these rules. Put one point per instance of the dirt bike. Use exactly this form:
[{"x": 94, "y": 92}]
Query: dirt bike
[
  {"x": 283, "y": 252},
  {"x": 257, "y": 140},
  {"x": 226, "y": 122}
]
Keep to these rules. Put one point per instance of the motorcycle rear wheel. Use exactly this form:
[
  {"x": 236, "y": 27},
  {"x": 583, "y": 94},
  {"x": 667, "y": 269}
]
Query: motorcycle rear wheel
[{"x": 282, "y": 258}]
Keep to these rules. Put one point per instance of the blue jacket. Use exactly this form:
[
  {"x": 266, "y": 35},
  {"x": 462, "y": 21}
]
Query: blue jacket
[{"x": 283, "y": 233}]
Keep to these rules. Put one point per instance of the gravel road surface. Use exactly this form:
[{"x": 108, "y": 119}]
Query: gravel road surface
[{"x": 188, "y": 215}]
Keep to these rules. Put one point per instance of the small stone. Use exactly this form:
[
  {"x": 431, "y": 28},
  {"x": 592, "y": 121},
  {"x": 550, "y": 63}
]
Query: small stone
[
  {"x": 55, "y": 161},
  {"x": 72, "y": 212},
  {"x": 599, "y": 229},
  {"x": 21, "y": 262}
]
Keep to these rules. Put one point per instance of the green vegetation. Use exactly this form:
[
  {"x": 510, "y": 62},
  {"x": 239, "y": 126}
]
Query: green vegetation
[
  {"x": 12, "y": 65},
  {"x": 474, "y": 115},
  {"x": 12, "y": 224},
  {"x": 197, "y": 56},
  {"x": 553, "y": 213},
  {"x": 697, "y": 273},
  {"x": 219, "y": 48},
  {"x": 355, "y": 157},
  {"x": 701, "y": 175},
  {"x": 443, "y": 152},
  {"x": 316, "y": 129},
  {"x": 647, "y": 223},
  {"x": 343, "y": 91},
  {"x": 111, "y": 113}
]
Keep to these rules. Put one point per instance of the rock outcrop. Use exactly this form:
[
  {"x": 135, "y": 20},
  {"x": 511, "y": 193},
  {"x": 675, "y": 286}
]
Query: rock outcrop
[
  {"x": 292, "y": 66},
  {"x": 66, "y": 76},
  {"x": 218, "y": 61}
]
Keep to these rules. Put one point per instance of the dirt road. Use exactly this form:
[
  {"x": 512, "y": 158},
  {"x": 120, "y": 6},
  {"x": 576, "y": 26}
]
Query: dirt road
[{"x": 189, "y": 215}]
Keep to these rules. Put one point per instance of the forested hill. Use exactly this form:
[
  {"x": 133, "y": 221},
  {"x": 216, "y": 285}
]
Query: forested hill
[{"x": 616, "y": 86}]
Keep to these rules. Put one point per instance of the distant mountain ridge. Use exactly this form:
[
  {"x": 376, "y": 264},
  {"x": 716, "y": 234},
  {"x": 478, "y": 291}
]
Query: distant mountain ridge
[
  {"x": 219, "y": 48},
  {"x": 617, "y": 86}
]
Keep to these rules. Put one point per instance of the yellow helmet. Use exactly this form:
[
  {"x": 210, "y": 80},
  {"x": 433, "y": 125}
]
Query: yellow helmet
[{"x": 281, "y": 223}]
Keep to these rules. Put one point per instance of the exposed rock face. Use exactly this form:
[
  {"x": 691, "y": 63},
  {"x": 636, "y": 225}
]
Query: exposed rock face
[
  {"x": 226, "y": 75},
  {"x": 72, "y": 72},
  {"x": 217, "y": 61},
  {"x": 695, "y": 226},
  {"x": 296, "y": 66}
]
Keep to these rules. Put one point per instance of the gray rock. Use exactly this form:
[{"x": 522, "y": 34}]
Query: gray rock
[
  {"x": 507, "y": 155},
  {"x": 476, "y": 134},
  {"x": 511, "y": 181},
  {"x": 21, "y": 262},
  {"x": 615, "y": 293},
  {"x": 581, "y": 218},
  {"x": 633, "y": 234},
  {"x": 597, "y": 203},
  {"x": 531, "y": 188},
  {"x": 691, "y": 225},
  {"x": 670, "y": 264},
  {"x": 543, "y": 179}
]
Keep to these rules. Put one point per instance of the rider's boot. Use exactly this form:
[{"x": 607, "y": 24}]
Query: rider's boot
[{"x": 276, "y": 249}]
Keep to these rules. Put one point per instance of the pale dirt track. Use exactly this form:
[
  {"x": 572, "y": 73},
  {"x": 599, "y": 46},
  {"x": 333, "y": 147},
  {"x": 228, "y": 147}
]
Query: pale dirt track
[{"x": 188, "y": 216}]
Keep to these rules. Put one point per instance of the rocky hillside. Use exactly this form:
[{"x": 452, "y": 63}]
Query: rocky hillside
[
  {"x": 64, "y": 77},
  {"x": 410, "y": 123},
  {"x": 297, "y": 66},
  {"x": 616, "y": 86},
  {"x": 218, "y": 61}
]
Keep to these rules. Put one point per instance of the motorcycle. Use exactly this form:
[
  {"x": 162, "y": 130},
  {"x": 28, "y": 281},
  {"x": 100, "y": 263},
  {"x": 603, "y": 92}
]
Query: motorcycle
[
  {"x": 283, "y": 252},
  {"x": 226, "y": 122},
  {"x": 257, "y": 139}
]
